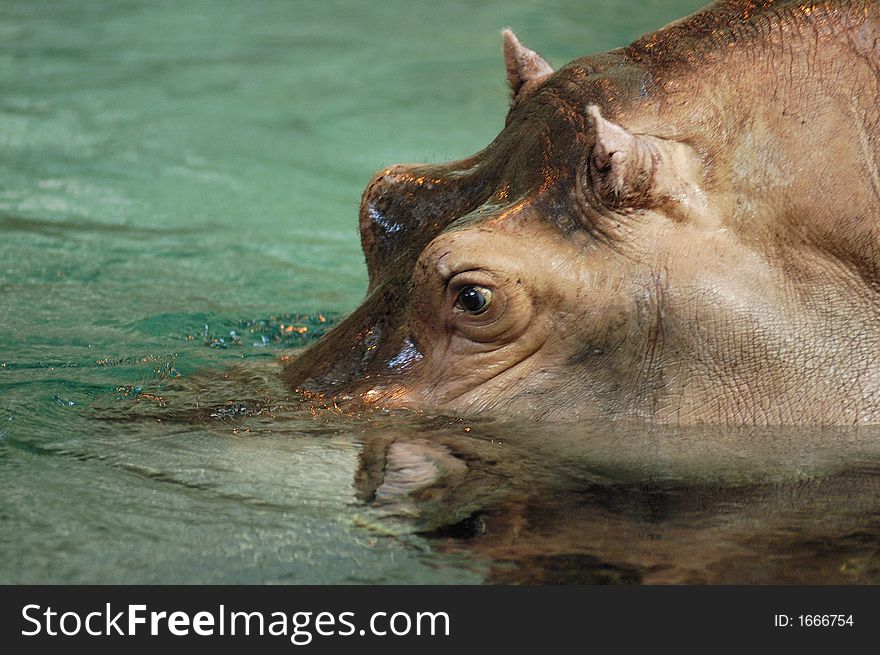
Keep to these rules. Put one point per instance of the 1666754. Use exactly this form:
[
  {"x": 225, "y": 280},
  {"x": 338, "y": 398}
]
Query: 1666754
[{"x": 813, "y": 621}]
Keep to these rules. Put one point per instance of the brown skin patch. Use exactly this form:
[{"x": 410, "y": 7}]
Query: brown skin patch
[{"x": 726, "y": 271}]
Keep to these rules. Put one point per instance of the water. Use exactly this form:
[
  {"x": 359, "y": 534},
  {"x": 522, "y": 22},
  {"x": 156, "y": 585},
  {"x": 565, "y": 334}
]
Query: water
[{"x": 178, "y": 204}]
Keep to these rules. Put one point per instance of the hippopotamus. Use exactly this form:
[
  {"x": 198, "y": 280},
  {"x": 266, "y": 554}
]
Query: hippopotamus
[{"x": 683, "y": 230}]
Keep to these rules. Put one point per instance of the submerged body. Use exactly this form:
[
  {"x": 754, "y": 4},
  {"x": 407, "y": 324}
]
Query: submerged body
[{"x": 685, "y": 230}]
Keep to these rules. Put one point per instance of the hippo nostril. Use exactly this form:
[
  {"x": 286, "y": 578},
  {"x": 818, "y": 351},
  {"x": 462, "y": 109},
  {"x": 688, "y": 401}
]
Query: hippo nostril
[{"x": 405, "y": 206}]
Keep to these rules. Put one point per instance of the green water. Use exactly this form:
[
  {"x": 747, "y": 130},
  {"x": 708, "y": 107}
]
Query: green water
[{"x": 179, "y": 184}]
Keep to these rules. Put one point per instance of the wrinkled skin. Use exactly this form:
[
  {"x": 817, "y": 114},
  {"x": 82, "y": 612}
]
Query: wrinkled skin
[{"x": 686, "y": 230}]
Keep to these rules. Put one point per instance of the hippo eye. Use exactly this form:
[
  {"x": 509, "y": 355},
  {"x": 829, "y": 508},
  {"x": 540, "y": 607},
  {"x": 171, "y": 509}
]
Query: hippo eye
[{"x": 474, "y": 299}]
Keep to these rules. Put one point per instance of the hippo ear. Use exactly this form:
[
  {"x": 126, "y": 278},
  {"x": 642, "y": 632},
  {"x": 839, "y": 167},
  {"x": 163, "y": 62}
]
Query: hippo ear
[
  {"x": 523, "y": 65},
  {"x": 641, "y": 170},
  {"x": 622, "y": 163}
]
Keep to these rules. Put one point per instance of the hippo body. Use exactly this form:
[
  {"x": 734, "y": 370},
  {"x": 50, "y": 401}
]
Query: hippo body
[{"x": 685, "y": 230}]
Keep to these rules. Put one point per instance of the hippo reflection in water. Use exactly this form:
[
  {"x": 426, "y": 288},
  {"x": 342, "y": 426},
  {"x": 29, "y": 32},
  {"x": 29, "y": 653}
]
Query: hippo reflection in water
[{"x": 684, "y": 230}]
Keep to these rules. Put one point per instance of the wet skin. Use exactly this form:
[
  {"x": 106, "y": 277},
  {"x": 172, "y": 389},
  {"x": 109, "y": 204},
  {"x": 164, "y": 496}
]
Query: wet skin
[{"x": 685, "y": 230}]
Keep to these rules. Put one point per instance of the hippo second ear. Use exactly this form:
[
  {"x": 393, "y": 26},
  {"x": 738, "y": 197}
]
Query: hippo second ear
[
  {"x": 523, "y": 65},
  {"x": 638, "y": 170},
  {"x": 622, "y": 163}
]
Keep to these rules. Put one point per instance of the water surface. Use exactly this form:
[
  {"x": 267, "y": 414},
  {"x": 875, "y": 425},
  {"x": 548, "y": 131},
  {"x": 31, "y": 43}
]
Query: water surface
[{"x": 179, "y": 184}]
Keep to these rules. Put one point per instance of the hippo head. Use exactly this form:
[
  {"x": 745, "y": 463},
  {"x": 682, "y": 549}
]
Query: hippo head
[{"x": 585, "y": 264}]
